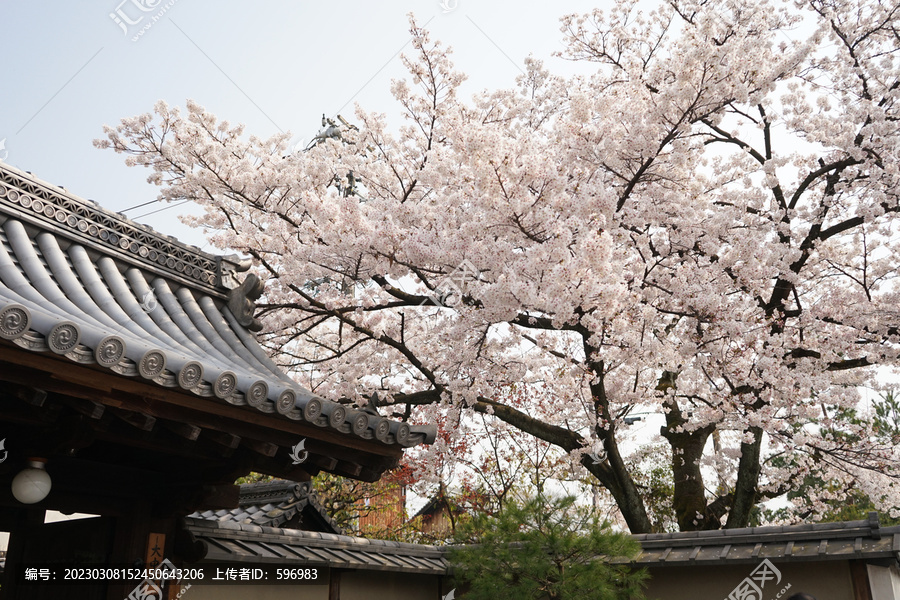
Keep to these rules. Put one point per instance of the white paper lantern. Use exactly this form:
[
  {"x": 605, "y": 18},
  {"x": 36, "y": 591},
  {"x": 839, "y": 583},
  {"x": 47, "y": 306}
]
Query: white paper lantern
[{"x": 31, "y": 485}]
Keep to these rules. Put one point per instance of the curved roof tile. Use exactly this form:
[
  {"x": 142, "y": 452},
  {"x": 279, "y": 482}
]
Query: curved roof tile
[{"x": 94, "y": 287}]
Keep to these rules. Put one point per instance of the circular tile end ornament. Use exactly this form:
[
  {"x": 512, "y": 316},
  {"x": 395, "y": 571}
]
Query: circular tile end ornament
[
  {"x": 286, "y": 401},
  {"x": 312, "y": 409},
  {"x": 14, "y": 321},
  {"x": 110, "y": 351},
  {"x": 191, "y": 375},
  {"x": 225, "y": 385},
  {"x": 258, "y": 393},
  {"x": 359, "y": 423},
  {"x": 152, "y": 364},
  {"x": 381, "y": 429},
  {"x": 402, "y": 434},
  {"x": 63, "y": 337},
  {"x": 337, "y": 416}
]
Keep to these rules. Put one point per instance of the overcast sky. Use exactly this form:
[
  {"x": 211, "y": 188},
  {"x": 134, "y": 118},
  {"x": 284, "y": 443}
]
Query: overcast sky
[{"x": 71, "y": 67}]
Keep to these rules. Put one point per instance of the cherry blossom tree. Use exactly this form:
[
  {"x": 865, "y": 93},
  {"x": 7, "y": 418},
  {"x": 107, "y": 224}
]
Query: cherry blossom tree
[{"x": 702, "y": 225}]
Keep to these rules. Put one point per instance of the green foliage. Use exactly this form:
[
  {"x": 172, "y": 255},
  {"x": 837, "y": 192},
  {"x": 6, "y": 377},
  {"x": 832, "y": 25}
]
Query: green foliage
[
  {"x": 254, "y": 477},
  {"x": 374, "y": 510},
  {"x": 544, "y": 549},
  {"x": 855, "y": 506},
  {"x": 844, "y": 500},
  {"x": 340, "y": 496},
  {"x": 887, "y": 417},
  {"x": 652, "y": 472}
]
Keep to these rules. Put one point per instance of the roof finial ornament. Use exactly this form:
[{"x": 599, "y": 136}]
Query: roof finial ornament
[
  {"x": 242, "y": 302},
  {"x": 371, "y": 406}
]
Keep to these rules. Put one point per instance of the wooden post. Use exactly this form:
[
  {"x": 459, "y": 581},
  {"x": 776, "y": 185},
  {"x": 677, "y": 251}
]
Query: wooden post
[
  {"x": 23, "y": 521},
  {"x": 334, "y": 585},
  {"x": 155, "y": 552},
  {"x": 859, "y": 575},
  {"x": 130, "y": 541}
]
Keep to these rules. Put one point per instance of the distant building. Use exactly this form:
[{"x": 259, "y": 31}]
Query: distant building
[
  {"x": 284, "y": 504},
  {"x": 855, "y": 560},
  {"x": 383, "y": 510},
  {"x": 438, "y": 518}
]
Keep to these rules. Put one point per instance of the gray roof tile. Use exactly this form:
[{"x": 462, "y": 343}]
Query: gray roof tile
[
  {"x": 809, "y": 541},
  {"x": 236, "y": 542},
  {"x": 272, "y": 504},
  {"x": 92, "y": 286}
]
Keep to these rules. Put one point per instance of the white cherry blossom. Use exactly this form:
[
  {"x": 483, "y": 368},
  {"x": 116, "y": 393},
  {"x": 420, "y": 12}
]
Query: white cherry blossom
[{"x": 704, "y": 227}]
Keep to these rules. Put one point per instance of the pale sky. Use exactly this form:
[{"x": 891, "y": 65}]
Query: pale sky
[
  {"x": 276, "y": 65},
  {"x": 70, "y": 68}
]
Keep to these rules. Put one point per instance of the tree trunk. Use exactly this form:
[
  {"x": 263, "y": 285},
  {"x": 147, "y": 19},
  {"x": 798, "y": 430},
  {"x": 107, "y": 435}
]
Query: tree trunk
[{"x": 745, "y": 490}]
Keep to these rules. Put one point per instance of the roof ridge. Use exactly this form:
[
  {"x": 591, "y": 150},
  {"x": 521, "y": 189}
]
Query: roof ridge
[
  {"x": 54, "y": 208},
  {"x": 281, "y": 490},
  {"x": 348, "y": 540}
]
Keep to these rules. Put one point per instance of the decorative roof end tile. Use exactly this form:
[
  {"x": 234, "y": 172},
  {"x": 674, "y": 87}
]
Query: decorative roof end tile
[{"x": 242, "y": 302}]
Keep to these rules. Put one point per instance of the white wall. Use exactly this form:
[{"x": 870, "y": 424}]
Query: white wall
[{"x": 885, "y": 582}]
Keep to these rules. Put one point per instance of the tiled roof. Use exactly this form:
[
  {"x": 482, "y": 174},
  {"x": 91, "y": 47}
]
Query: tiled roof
[
  {"x": 807, "y": 542},
  {"x": 231, "y": 542},
  {"x": 434, "y": 505},
  {"x": 275, "y": 503},
  {"x": 228, "y": 541},
  {"x": 92, "y": 286}
]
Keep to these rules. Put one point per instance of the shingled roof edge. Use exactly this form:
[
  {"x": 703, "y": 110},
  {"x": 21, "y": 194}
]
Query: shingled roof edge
[{"x": 76, "y": 280}]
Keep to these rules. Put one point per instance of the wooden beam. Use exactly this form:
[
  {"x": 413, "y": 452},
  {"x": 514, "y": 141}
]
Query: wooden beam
[
  {"x": 142, "y": 421},
  {"x": 143, "y": 405},
  {"x": 368, "y": 475},
  {"x": 264, "y": 448},
  {"x": 228, "y": 440},
  {"x": 859, "y": 578},
  {"x": 184, "y": 430},
  {"x": 88, "y": 408},
  {"x": 281, "y": 466},
  {"x": 326, "y": 463},
  {"x": 216, "y": 497},
  {"x": 101, "y": 385},
  {"x": 73, "y": 434},
  {"x": 18, "y": 412},
  {"x": 351, "y": 469},
  {"x": 32, "y": 396}
]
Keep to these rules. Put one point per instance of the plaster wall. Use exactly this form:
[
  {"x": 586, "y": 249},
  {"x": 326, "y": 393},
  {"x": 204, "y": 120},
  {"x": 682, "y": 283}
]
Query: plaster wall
[
  {"x": 825, "y": 580},
  {"x": 369, "y": 585},
  {"x": 354, "y": 585},
  {"x": 257, "y": 592},
  {"x": 884, "y": 581}
]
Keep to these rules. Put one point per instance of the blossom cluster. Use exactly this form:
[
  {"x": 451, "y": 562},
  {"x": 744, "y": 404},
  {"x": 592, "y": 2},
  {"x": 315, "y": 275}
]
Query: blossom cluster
[{"x": 703, "y": 227}]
